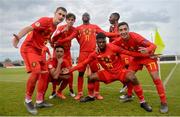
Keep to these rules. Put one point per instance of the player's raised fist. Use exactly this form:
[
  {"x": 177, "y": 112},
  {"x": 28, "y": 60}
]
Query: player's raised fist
[{"x": 15, "y": 40}]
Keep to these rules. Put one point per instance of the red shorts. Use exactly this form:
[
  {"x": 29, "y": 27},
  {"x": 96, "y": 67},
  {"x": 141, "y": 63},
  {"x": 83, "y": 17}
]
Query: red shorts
[
  {"x": 107, "y": 77},
  {"x": 137, "y": 64},
  {"x": 93, "y": 65},
  {"x": 33, "y": 62}
]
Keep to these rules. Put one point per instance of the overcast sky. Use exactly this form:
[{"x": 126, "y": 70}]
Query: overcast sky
[{"x": 143, "y": 16}]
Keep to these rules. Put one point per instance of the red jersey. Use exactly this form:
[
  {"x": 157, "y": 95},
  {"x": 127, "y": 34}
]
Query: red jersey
[
  {"x": 114, "y": 29},
  {"x": 110, "y": 59},
  {"x": 59, "y": 35},
  {"x": 52, "y": 63},
  {"x": 42, "y": 31},
  {"x": 135, "y": 41},
  {"x": 86, "y": 36}
]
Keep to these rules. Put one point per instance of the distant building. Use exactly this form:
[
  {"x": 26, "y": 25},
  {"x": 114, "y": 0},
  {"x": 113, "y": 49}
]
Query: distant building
[
  {"x": 7, "y": 64},
  {"x": 18, "y": 63}
]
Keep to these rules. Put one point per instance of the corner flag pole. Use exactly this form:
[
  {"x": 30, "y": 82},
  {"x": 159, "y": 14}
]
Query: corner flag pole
[
  {"x": 159, "y": 67},
  {"x": 160, "y": 47}
]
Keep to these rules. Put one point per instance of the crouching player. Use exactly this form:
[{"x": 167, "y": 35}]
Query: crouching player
[
  {"x": 108, "y": 56},
  {"x": 56, "y": 67}
]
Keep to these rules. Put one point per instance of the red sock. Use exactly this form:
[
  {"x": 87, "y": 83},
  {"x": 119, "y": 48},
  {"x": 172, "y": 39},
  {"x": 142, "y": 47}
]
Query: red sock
[
  {"x": 30, "y": 85},
  {"x": 46, "y": 82},
  {"x": 80, "y": 84},
  {"x": 139, "y": 92},
  {"x": 129, "y": 89},
  {"x": 42, "y": 82},
  {"x": 91, "y": 88},
  {"x": 160, "y": 89},
  {"x": 96, "y": 86},
  {"x": 63, "y": 85}
]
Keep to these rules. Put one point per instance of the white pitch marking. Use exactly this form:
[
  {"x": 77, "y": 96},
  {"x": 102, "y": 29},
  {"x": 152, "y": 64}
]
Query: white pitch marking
[{"x": 169, "y": 76}]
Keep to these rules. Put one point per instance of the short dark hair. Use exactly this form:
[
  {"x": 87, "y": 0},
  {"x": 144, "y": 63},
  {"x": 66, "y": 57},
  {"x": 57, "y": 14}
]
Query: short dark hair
[
  {"x": 100, "y": 36},
  {"x": 85, "y": 13},
  {"x": 123, "y": 23},
  {"x": 69, "y": 15},
  {"x": 61, "y": 8},
  {"x": 59, "y": 46},
  {"x": 117, "y": 15}
]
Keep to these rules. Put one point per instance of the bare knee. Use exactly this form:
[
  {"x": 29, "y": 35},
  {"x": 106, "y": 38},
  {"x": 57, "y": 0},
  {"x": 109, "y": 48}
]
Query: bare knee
[
  {"x": 154, "y": 75},
  {"x": 132, "y": 78}
]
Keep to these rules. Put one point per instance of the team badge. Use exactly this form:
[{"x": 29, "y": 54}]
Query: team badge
[
  {"x": 106, "y": 60},
  {"x": 37, "y": 24},
  {"x": 34, "y": 64},
  {"x": 86, "y": 31}
]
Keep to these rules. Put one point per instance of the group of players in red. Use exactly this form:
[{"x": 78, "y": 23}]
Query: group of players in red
[{"x": 125, "y": 54}]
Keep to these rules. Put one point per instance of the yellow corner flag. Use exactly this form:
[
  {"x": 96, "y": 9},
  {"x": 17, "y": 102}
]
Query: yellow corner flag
[{"x": 159, "y": 43}]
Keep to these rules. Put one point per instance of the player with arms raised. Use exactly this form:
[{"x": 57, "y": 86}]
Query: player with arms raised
[{"x": 38, "y": 34}]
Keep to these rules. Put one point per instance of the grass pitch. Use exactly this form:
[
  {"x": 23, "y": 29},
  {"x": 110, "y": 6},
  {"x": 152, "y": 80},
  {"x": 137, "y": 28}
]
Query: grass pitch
[{"x": 12, "y": 85}]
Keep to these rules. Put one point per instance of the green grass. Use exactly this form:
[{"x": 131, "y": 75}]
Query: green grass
[{"x": 12, "y": 85}]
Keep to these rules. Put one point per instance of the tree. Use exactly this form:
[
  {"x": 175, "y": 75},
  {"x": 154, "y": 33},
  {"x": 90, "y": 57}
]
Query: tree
[{"x": 8, "y": 60}]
